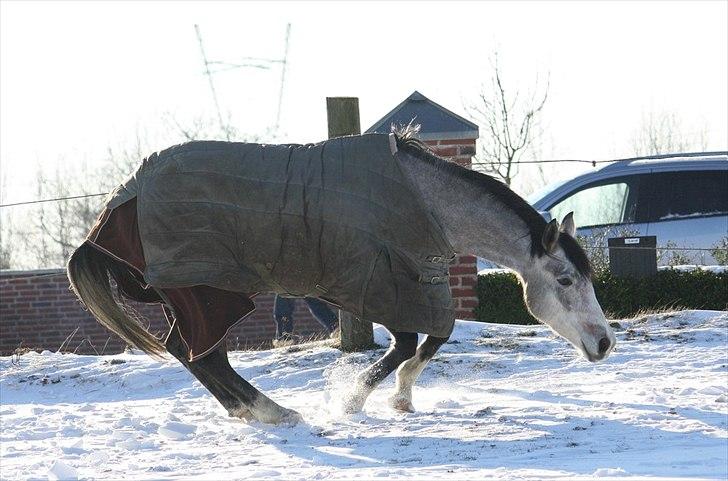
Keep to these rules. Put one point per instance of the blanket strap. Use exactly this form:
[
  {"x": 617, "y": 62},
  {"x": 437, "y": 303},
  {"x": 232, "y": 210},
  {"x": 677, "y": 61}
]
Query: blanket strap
[
  {"x": 441, "y": 259},
  {"x": 434, "y": 279}
]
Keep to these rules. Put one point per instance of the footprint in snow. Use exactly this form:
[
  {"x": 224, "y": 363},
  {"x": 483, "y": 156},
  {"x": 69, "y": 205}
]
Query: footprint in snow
[{"x": 447, "y": 404}]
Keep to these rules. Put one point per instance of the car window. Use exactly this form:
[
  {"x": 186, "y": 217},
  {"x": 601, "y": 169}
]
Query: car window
[
  {"x": 676, "y": 195},
  {"x": 596, "y": 205}
]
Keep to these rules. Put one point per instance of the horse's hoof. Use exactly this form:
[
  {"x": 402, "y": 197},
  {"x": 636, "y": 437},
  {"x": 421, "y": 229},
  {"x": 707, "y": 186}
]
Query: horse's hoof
[
  {"x": 353, "y": 405},
  {"x": 281, "y": 416},
  {"x": 401, "y": 404},
  {"x": 290, "y": 418},
  {"x": 351, "y": 409},
  {"x": 242, "y": 413}
]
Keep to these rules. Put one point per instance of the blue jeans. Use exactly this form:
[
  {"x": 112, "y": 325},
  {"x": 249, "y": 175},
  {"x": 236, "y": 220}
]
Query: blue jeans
[{"x": 283, "y": 314}]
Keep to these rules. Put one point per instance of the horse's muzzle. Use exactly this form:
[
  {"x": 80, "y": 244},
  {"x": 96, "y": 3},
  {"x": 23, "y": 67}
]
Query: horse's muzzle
[{"x": 603, "y": 347}]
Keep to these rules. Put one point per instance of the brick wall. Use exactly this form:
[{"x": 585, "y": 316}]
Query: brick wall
[
  {"x": 460, "y": 151},
  {"x": 38, "y": 311}
]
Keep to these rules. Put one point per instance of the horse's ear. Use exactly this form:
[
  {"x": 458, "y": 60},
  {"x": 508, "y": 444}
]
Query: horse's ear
[
  {"x": 567, "y": 225},
  {"x": 550, "y": 237}
]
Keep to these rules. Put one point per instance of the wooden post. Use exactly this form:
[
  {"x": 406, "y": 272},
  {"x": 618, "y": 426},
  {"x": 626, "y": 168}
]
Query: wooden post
[
  {"x": 343, "y": 119},
  {"x": 343, "y": 116}
]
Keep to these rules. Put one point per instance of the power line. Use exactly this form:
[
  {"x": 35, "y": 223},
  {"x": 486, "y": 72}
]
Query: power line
[
  {"x": 547, "y": 161},
  {"x": 53, "y": 200},
  {"x": 593, "y": 162},
  {"x": 105, "y": 193},
  {"x": 31, "y": 276}
]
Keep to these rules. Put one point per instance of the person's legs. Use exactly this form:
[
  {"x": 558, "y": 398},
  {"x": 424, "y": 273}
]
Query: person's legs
[
  {"x": 322, "y": 312},
  {"x": 283, "y": 315}
]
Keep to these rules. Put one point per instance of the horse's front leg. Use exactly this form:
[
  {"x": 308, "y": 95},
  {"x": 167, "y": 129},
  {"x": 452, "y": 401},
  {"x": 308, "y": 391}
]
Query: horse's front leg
[
  {"x": 403, "y": 347},
  {"x": 410, "y": 370}
]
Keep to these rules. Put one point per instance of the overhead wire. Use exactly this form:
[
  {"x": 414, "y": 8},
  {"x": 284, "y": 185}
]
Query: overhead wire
[
  {"x": 546, "y": 161},
  {"x": 40, "y": 201}
]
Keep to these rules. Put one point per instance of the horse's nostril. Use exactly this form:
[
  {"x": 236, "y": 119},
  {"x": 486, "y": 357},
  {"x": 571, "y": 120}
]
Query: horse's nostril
[{"x": 604, "y": 345}]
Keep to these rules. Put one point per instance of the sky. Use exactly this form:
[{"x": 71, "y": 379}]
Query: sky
[{"x": 77, "y": 78}]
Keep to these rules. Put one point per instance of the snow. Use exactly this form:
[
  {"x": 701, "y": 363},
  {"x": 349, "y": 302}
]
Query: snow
[
  {"x": 495, "y": 270},
  {"x": 695, "y": 267},
  {"x": 690, "y": 215},
  {"x": 499, "y": 401}
]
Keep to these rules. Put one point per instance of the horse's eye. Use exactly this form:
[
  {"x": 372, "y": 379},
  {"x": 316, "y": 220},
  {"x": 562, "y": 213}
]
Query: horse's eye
[{"x": 564, "y": 281}]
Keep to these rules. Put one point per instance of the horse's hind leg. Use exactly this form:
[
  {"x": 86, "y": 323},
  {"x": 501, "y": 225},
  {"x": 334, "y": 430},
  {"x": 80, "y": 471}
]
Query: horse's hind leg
[
  {"x": 403, "y": 347},
  {"x": 410, "y": 370},
  {"x": 237, "y": 395}
]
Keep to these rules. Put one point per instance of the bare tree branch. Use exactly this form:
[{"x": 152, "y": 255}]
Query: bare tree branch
[
  {"x": 663, "y": 133},
  {"x": 507, "y": 124}
]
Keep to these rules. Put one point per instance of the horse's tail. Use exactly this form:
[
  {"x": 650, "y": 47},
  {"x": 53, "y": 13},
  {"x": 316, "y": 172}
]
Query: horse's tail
[{"x": 89, "y": 270}]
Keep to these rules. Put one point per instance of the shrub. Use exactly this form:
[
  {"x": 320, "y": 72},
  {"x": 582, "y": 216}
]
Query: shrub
[
  {"x": 501, "y": 295},
  {"x": 720, "y": 251},
  {"x": 500, "y": 300}
]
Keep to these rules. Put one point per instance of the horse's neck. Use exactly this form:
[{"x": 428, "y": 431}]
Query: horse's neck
[{"x": 473, "y": 223}]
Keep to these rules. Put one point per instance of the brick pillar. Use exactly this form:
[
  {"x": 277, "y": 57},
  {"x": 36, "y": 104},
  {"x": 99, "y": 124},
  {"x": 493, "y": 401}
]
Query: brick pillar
[{"x": 463, "y": 270}]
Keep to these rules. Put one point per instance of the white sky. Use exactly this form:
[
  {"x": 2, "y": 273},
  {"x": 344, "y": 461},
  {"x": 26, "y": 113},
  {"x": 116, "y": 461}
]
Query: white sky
[{"x": 76, "y": 78}]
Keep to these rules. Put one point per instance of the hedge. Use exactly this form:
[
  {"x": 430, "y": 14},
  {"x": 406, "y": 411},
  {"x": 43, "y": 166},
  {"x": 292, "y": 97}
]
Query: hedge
[{"x": 501, "y": 297}]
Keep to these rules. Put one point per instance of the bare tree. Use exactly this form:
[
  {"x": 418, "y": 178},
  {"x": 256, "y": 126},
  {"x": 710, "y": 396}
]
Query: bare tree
[
  {"x": 663, "y": 133},
  {"x": 121, "y": 160},
  {"x": 54, "y": 229},
  {"x": 7, "y": 231},
  {"x": 6, "y": 250},
  {"x": 509, "y": 125},
  {"x": 201, "y": 128},
  {"x": 534, "y": 176}
]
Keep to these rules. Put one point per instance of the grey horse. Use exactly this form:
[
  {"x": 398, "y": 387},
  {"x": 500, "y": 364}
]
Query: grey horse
[{"x": 316, "y": 226}]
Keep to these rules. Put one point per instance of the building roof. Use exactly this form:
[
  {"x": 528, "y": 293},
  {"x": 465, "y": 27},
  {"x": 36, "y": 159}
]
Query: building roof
[{"x": 436, "y": 122}]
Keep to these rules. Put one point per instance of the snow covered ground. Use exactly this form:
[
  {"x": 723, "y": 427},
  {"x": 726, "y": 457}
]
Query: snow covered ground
[{"x": 501, "y": 402}]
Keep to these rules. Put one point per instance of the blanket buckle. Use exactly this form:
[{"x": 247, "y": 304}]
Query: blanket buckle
[
  {"x": 440, "y": 259},
  {"x": 434, "y": 279}
]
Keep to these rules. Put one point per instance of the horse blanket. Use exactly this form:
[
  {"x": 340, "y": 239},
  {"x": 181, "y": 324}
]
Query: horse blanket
[{"x": 337, "y": 220}]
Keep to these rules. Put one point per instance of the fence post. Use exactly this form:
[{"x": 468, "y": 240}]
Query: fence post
[
  {"x": 634, "y": 257},
  {"x": 343, "y": 119},
  {"x": 343, "y": 116}
]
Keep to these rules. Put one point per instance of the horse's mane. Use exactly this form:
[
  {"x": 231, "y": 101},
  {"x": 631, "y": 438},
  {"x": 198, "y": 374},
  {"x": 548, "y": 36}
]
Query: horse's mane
[{"x": 409, "y": 143}]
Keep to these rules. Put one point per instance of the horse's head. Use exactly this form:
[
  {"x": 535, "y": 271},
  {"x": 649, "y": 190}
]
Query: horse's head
[{"x": 559, "y": 292}]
